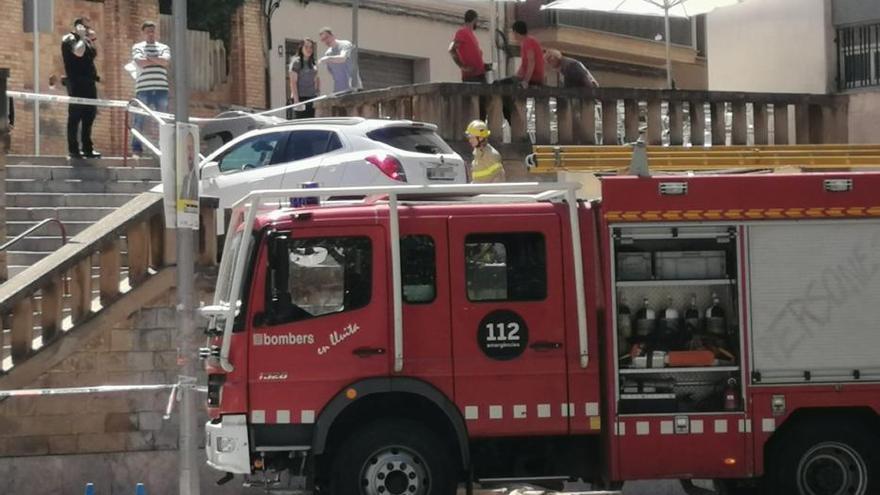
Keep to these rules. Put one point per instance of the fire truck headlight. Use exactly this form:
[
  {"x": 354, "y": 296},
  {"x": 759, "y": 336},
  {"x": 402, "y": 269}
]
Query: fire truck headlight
[{"x": 225, "y": 444}]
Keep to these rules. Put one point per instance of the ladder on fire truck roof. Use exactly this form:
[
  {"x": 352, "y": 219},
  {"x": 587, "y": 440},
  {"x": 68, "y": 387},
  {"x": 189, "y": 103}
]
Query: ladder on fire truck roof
[
  {"x": 551, "y": 159},
  {"x": 234, "y": 264}
]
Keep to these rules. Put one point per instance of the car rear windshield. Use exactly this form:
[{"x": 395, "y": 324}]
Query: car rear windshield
[{"x": 415, "y": 139}]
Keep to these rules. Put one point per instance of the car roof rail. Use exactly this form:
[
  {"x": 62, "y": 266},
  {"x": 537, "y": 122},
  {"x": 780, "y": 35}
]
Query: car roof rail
[{"x": 324, "y": 120}]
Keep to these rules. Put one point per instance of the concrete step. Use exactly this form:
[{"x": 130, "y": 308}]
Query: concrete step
[
  {"x": 28, "y": 258},
  {"x": 65, "y": 214},
  {"x": 60, "y": 173},
  {"x": 63, "y": 160},
  {"x": 44, "y": 244},
  {"x": 75, "y": 199},
  {"x": 13, "y": 228},
  {"x": 36, "y": 186}
]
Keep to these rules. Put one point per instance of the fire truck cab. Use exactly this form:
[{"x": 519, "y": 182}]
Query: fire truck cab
[{"x": 720, "y": 326}]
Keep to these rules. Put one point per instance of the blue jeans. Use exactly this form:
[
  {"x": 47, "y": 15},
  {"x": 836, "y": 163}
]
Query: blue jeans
[{"x": 156, "y": 99}]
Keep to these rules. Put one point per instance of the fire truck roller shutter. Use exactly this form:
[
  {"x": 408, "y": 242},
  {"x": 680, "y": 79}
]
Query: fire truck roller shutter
[{"x": 389, "y": 391}]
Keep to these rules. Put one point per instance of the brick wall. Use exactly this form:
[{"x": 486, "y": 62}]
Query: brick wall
[
  {"x": 117, "y": 23},
  {"x": 139, "y": 350}
]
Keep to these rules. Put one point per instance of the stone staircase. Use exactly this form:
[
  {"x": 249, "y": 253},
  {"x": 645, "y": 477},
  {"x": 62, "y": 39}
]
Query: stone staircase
[{"x": 78, "y": 193}]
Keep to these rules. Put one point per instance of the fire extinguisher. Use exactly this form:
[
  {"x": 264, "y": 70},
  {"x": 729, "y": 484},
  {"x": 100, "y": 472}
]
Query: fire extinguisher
[{"x": 731, "y": 396}]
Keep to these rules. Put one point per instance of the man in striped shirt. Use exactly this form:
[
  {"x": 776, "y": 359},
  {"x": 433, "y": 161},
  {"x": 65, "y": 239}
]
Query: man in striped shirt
[{"x": 152, "y": 59}]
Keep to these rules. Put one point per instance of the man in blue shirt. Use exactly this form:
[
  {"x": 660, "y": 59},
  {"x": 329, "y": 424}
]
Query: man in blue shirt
[{"x": 338, "y": 59}]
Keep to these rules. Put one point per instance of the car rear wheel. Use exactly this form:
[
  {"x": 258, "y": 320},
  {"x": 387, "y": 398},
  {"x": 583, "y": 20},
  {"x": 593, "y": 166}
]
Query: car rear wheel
[{"x": 393, "y": 458}]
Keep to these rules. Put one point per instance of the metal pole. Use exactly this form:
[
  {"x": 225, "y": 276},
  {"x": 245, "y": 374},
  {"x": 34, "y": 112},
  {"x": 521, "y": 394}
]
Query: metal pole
[
  {"x": 36, "y": 26},
  {"x": 668, "y": 59},
  {"x": 187, "y": 353},
  {"x": 356, "y": 74}
]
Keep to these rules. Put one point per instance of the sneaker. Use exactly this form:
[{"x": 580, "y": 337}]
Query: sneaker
[{"x": 91, "y": 154}]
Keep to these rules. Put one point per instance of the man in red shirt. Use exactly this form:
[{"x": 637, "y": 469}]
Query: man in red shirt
[
  {"x": 466, "y": 52},
  {"x": 531, "y": 67}
]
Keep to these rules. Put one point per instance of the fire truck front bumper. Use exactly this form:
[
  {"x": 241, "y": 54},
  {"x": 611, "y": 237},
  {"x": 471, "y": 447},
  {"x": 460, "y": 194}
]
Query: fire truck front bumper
[{"x": 226, "y": 444}]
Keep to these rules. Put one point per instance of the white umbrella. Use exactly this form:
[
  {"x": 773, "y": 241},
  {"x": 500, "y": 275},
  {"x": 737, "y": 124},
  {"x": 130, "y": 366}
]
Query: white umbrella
[{"x": 665, "y": 8}]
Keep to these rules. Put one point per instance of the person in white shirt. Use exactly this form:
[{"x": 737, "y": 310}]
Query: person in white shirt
[{"x": 151, "y": 87}]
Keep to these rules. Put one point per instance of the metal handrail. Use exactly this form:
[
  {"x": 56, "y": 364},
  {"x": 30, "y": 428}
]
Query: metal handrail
[{"x": 27, "y": 232}]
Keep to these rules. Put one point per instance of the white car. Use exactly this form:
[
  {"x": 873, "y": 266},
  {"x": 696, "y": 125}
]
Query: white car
[{"x": 332, "y": 152}]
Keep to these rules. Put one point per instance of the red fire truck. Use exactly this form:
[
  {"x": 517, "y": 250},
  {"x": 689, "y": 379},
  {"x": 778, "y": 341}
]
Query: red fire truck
[{"x": 721, "y": 327}]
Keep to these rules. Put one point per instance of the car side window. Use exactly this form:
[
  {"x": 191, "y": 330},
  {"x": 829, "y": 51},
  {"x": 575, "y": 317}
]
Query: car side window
[
  {"x": 254, "y": 152},
  {"x": 418, "y": 269},
  {"x": 308, "y": 143}
]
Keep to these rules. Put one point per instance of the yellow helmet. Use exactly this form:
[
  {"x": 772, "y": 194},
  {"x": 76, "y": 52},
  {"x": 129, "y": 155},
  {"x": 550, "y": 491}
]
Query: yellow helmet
[{"x": 478, "y": 129}]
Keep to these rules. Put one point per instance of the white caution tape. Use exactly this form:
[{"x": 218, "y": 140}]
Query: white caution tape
[
  {"x": 20, "y": 95},
  {"x": 40, "y": 392}
]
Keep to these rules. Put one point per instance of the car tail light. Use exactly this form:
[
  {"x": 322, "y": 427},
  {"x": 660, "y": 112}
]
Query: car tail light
[{"x": 388, "y": 165}]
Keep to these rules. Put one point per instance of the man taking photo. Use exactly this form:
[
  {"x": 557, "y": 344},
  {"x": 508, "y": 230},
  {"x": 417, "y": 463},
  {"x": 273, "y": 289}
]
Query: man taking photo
[{"x": 78, "y": 50}]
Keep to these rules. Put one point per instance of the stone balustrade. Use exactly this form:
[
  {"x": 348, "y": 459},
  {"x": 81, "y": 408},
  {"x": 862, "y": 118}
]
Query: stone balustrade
[
  {"x": 95, "y": 269},
  {"x": 608, "y": 115}
]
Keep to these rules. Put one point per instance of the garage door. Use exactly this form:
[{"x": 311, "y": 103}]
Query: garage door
[{"x": 382, "y": 71}]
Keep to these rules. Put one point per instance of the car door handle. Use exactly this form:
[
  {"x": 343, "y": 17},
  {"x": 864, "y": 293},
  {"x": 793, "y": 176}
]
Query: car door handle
[
  {"x": 364, "y": 352},
  {"x": 543, "y": 345}
]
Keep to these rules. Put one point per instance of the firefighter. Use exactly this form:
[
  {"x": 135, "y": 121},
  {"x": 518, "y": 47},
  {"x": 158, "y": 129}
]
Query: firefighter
[{"x": 487, "y": 165}]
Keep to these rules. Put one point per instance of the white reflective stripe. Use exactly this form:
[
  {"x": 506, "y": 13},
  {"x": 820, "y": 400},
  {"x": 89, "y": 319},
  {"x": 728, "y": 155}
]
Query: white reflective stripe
[
  {"x": 307, "y": 417},
  {"x": 496, "y": 412},
  {"x": 519, "y": 411},
  {"x": 543, "y": 410},
  {"x": 621, "y": 429},
  {"x": 643, "y": 428},
  {"x": 720, "y": 426},
  {"x": 768, "y": 425},
  {"x": 258, "y": 416},
  {"x": 282, "y": 416},
  {"x": 471, "y": 412},
  {"x": 696, "y": 426},
  {"x": 667, "y": 427},
  {"x": 592, "y": 408},
  {"x": 567, "y": 410},
  {"x": 745, "y": 425}
]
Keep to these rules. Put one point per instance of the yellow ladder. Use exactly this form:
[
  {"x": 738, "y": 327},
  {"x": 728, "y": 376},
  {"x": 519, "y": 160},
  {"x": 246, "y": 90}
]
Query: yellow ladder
[{"x": 550, "y": 159}]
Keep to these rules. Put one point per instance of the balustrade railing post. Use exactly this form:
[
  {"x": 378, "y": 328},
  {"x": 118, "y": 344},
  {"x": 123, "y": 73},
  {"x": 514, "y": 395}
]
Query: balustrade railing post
[
  {"x": 697, "y": 112},
  {"x": 157, "y": 238},
  {"x": 518, "y": 125},
  {"x": 631, "y": 120},
  {"x": 740, "y": 126},
  {"x": 676, "y": 124},
  {"x": 585, "y": 121},
  {"x": 563, "y": 121},
  {"x": 609, "y": 122},
  {"x": 759, "y": 111},
  {"x": 542, "y": 120},
  {"x": 496, "y": 115},
  {"x": 719, "y": 124},
  {"x": 81, "y": 290},
  {"x": 780, "y": 123},
  {"x": 655, "y": 122},
  {"x": 51, "y": 305},
  {"x": 138, "y": 247},
  {"x": 109, "y": 272},
  {"x": 802, "y": 123},
  {"x": 22, "y": 330},
  {"x": 4, "y": 148}
]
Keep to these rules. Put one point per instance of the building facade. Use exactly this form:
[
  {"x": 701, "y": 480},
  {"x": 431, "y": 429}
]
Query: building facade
[
  {"x": 802, "y": 46},
  {"x": 622, "y": 50},
  {"x": 400, "y": 42}
]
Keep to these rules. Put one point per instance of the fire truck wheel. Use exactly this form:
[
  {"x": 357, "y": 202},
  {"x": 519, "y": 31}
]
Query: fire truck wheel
[
  {"x": 826, "y": 459},
  {"x": 393, "y": 458}
]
